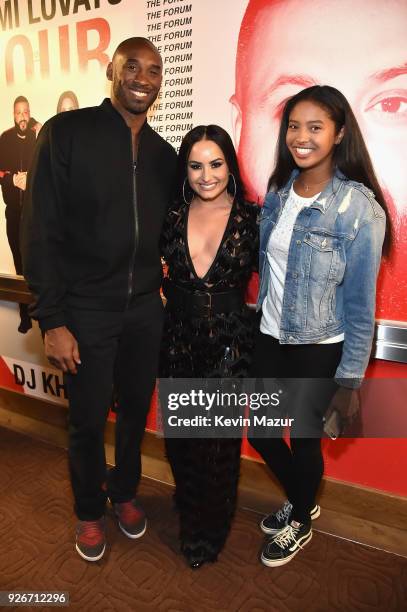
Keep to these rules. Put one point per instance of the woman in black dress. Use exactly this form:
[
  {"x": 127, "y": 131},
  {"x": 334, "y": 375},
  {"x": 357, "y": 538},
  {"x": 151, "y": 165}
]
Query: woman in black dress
[{"x": 210, "y": 245}]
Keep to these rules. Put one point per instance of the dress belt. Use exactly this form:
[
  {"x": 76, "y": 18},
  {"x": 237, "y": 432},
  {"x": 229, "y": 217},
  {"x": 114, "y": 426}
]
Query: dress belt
[{"x": 201, "y": 303}]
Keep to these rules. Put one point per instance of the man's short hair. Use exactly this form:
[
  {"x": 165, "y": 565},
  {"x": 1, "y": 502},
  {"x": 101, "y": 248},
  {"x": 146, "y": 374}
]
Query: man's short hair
[{"x": 20, "y": 99}]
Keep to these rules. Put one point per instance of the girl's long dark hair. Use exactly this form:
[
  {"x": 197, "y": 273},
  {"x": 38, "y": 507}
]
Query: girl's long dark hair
[
  {"x": 218, "y": 135},
  {"x": 351, "y": 156}
]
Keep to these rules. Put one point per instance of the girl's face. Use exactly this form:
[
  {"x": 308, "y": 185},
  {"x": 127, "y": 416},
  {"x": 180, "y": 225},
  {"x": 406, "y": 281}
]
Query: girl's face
[
  {"x": 207, "y": 170},
  {"x": 311, "y": 136}
]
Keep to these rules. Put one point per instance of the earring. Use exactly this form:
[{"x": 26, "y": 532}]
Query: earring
[
  {"x": 234, "y": 185},
  {"x": 183, "y": 193}
]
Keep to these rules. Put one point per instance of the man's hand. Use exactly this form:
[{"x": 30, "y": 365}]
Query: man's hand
[
  {"x": 20, "y": 180},
  {"x": 61, "y": 349}
]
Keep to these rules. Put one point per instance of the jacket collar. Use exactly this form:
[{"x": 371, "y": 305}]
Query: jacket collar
[
  {"x": 108, "y": 107},
  {"x": 326, "y": 197}
]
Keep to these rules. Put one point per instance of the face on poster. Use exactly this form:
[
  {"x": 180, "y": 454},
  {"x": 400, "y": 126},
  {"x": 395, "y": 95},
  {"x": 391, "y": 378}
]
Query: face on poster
[{"x": 357, "y": 46}]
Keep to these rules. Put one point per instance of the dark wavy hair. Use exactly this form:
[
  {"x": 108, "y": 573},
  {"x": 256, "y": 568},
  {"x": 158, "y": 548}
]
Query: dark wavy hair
[
  {"x": 67, "y": 94},
  {"x": 218, "y": 135},
  {"x": 350, "y": 156}
]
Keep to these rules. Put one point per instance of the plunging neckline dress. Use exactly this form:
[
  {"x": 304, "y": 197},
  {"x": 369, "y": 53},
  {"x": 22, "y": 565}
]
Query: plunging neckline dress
[{"x": 206, "y": 471}]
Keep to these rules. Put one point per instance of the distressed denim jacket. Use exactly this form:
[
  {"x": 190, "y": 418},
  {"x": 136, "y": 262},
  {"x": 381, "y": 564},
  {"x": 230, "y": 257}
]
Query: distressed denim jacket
[{"x": 333, "y": 262}]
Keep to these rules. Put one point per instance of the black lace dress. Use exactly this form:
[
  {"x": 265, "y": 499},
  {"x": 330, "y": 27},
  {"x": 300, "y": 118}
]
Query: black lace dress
[{"x": 206, "y": 471}]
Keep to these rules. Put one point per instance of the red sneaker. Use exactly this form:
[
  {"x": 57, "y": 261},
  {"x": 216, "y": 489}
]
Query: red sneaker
[
  {"x": 91, "y": 539},
  {"x": 131, "y": 518}
]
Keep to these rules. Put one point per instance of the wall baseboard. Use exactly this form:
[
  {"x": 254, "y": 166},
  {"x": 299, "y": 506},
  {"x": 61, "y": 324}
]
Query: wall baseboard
[{"x": 349, "y": 511}]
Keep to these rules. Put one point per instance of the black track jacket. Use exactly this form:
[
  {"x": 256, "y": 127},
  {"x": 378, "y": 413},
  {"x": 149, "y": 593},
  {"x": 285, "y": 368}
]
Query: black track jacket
[{"x": 92, "y": 217}]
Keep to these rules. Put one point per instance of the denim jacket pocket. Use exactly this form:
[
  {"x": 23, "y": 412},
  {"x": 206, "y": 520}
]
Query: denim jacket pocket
[
  {"x": 326, "y": 266},
  {"x": 321, "y": 242}
]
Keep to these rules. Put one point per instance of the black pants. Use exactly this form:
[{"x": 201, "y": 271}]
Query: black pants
[
  {"x": 299, "y": 467},
  {"x": 119, "y": 354},
  {"x": 13, "y": 217}
]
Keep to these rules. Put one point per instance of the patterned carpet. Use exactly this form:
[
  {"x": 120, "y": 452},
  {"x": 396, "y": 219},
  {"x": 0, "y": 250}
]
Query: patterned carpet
[{"x": 37, "y": 553}]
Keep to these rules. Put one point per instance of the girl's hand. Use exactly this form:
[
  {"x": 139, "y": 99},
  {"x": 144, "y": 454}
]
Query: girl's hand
[{"x": 347, "y": 403}]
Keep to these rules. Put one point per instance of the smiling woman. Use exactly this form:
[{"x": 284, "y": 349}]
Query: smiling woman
[
  {"x": 321, "y": 237},
  {"x": 311, "y": 135},
  {"x": 210, "y": 243}
]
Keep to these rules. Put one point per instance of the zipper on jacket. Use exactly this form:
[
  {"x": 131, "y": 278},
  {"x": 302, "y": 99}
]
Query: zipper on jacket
[{"x": 136, "y": 224}]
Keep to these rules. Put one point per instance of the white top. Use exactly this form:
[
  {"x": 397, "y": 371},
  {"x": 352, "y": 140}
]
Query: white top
[{"x": 277, "y": 257}]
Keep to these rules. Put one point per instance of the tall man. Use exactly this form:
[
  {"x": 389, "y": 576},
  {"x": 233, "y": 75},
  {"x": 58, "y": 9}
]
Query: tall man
[
  {"x": 16, "y": 152},
  {"x": 97, "y": 195}
]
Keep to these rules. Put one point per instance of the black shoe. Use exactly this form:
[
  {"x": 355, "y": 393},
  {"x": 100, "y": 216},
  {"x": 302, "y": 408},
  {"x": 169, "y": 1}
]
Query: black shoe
[
  {"x": 197, "y": 557},
  {"x": 197, "y": 563},
  {"x": 275, "y": 522},
  {"x": 286, "y": 544}
]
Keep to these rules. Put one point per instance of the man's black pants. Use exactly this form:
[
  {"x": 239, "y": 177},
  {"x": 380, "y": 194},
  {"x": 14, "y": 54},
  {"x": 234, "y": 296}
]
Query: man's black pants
[
  {"x": 119, "y": 352},
  {"x": 13, "y": 217}
]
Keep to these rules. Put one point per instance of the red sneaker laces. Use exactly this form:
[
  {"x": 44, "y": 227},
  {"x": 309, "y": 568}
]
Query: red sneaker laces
[
  {"x": 128, "y": 512},
  {"x": 90, "y": 532}
]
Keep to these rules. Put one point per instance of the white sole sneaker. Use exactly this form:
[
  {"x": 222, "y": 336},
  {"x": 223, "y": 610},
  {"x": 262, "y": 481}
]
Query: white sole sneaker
[
  {"x": 133, "y": 536},
  {"x": 279, "y": 562},
  {"x": 81, "y": 554},
  {"x": 315, "y": 512}
]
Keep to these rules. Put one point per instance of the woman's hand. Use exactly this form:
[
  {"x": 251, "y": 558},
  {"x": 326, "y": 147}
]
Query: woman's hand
[{"x": 347, "y": 403}]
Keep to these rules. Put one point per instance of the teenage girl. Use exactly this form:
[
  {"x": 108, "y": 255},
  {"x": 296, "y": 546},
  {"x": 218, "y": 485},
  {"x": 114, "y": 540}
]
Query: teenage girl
[{"x": 322, "y": 229}]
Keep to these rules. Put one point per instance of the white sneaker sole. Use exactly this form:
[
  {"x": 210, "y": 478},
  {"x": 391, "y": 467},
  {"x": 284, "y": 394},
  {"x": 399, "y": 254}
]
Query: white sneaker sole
[
  {"x": 269, "y": 531},
  {"x": 81, "y": 554},
  {"x": 133, "y": 536},
  {"x": 315, "y": 515},
  {"x": 278, "y": 562}
]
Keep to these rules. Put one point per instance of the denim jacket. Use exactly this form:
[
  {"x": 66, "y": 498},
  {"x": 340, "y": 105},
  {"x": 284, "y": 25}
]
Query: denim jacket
[{"x": 333, "y": 262}]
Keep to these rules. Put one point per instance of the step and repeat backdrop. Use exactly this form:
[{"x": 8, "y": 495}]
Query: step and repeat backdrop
[{"x": 230, "y": 62}]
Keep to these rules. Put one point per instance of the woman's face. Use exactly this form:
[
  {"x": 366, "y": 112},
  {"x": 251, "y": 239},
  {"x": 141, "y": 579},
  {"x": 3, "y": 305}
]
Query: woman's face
[
  {"x": 207, "y": 170},
  {"x": 311, "y": 136},
  {"x": 67, "y": 104}
]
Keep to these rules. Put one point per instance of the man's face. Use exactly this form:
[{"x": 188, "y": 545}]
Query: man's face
[
  {"x": 357, "y": 46},
  {"x": 21, "y": 115},
  {"x": 136, "y": 74}
]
